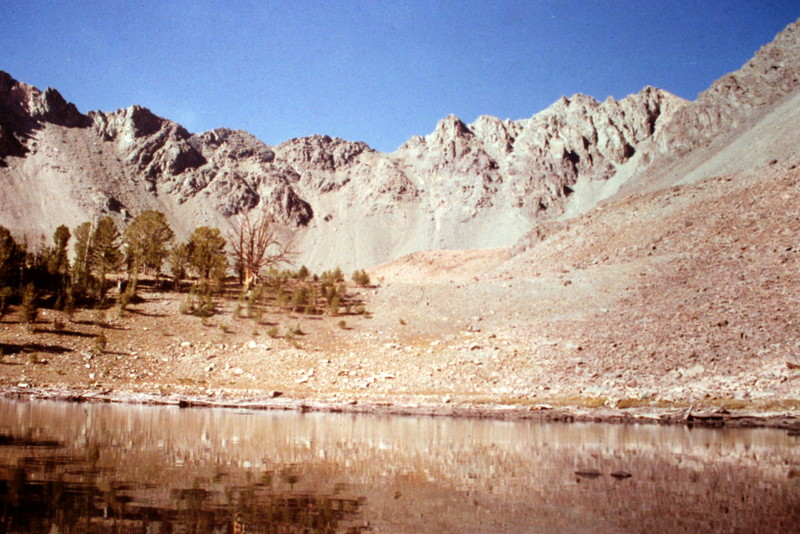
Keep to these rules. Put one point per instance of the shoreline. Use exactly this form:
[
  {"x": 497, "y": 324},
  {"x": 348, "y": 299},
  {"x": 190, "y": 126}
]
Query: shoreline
[{"x": 417, "y": 407}]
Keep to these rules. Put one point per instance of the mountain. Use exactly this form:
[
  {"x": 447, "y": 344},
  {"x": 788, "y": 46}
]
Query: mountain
[{"x": 463, "y": 186}]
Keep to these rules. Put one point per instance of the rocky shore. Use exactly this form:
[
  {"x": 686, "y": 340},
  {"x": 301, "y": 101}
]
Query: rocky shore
[{"x": 255, "y": 401}]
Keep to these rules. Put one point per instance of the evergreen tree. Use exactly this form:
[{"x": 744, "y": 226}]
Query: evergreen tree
[
  {"x": 206, "y": 253},
  {"x": 58, "y": 265},
  {"x": 147, "y": 239},
  {"x": 104, "y": 251},
  {"x": 81, "y": 272},
  {"x": 37, "y": 262},
  {"x": 12, "y": 257},
  {"x": 29, "y": 308},
  {"x": 361, "y": 277},
  {"x": 178, "y": 263}
]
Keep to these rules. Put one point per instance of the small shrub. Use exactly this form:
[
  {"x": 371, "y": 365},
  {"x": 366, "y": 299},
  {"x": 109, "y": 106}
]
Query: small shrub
[
  {"x": 58, "y": 325},
  {"x": 281, "y": 299},
  {"x": 100, "y": 342},
  {"x": 360, "y": 277},
  {"x": 186, "y": 305},
  {"x": 342, "y": 324},
  {"x": 198, "y": 303},
  {"x": 29, "y": 309},
  {"x": 299, "y": 299},
  {"x": 100, "y": 318},
  {"x": 302, "y": 273},
  {"x": 69, "y": 305},
  {"x": 333, "y": 306},
  {"x": 403, "y": 321},
  {"x": 273, "y": 332},
  {"x": 5, "y": 293},
  {"x": 126, "y": 296}
]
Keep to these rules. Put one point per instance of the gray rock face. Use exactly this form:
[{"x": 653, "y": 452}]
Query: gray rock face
[
  {"x": 156, "y": 148},
  {"x": 538, "y": 161},
  {"x": 22, "y": 104}
]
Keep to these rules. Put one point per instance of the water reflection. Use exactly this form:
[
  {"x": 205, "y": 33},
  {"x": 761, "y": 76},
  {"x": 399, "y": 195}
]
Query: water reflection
[{"x": 68, "y": 468}]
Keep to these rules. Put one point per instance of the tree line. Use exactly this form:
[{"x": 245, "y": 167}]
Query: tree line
[
  {"x": 100, "y": 248},
  {"x": 44, "y": 273}
]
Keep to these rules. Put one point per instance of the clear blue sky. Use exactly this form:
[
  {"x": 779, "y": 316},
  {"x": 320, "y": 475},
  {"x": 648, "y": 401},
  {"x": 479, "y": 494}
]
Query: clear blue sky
[{"x": 373, "y": 71}]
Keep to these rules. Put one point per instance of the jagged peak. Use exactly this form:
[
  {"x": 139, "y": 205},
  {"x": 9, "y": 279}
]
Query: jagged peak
[
  {"x": 452, "y": 123},
  {"x": 577, "y": 100},
  {"x": 136, "y": 121},
  {"x": 321, "y": 141},
  {"x": 48, "y": 105},
  {"x": 448, "y": 129},
  {"x": 489, "y": 121},
  {"x": 486, "y": 124},
  {"x": 650, "y": 97},
  {"x": 220, "y": 135},
  {"x": 321, "y": 152},
  {"x": 234, "y": 143}
]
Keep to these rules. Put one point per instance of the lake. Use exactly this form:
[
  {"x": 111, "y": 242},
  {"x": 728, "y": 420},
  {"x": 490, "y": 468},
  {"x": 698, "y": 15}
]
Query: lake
[{"x": 81, "y": 468}]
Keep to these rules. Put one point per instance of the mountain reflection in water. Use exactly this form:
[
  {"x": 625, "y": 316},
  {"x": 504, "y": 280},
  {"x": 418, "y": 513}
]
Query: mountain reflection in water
[{"x": 70, "y": 468}]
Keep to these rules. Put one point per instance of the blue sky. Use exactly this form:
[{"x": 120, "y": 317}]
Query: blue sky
[{"x": 373, "y": 71}]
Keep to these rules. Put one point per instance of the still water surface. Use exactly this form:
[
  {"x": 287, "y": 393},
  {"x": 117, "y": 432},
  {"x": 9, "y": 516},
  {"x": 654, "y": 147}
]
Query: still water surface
[{"x": 79, "y": 468}]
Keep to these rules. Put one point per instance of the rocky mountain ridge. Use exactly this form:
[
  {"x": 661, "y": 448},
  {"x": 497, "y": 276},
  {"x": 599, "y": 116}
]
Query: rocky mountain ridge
[{"x": 478, "y": 185}]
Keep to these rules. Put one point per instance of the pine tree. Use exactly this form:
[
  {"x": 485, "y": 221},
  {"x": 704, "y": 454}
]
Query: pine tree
[
  {"x": 58, "y": 265},
  {"x": 11, "y": 260},
  {"x": 206, "y": 253},
  {"x": 178, "y": 263},
  {"x": 147, "y": 238},
  {"x": 29, "y": 308},
  {"x": 81, "y": 272},
  {"x": 105, "y": 252}
]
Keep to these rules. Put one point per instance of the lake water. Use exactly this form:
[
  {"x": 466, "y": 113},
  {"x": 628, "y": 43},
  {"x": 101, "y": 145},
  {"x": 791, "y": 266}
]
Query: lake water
[{"x": 69, "y": 468}]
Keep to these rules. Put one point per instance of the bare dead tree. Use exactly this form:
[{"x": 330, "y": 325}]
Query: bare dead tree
[{"x": 257, "y": 245}]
